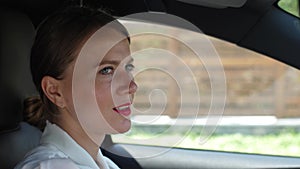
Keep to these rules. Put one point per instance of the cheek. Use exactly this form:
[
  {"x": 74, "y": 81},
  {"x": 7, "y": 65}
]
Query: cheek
[
  {"x": 68, "y": 97},
  {"x": 103, "y": 95}
]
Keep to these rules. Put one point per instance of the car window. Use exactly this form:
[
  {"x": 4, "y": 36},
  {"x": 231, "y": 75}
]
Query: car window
[
  {"x": 260, "y": 113},
  {"x": 290, "y": 6}
]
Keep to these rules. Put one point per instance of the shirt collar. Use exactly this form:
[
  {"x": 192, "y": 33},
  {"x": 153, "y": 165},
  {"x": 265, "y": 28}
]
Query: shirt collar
[{"x": 61, "y": 140}]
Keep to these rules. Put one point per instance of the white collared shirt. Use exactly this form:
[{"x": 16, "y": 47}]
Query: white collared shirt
[{"x": 58, "y": 150}]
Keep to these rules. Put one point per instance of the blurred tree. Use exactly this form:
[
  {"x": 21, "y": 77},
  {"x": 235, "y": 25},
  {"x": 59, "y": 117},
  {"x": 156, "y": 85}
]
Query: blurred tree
[{"x": 291, "y": 6}]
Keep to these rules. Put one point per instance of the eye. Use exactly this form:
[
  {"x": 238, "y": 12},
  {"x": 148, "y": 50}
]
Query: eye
[
  {"x": 107, "y": 70},
  {"x": 129, "y": 67}
]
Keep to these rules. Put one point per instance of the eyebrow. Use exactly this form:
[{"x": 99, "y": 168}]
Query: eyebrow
[{"x": 113, "y": 62}]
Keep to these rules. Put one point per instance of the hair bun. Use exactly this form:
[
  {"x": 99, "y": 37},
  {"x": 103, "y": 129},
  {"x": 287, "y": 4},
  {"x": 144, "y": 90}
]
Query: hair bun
[{"x": 34, "y": 112}]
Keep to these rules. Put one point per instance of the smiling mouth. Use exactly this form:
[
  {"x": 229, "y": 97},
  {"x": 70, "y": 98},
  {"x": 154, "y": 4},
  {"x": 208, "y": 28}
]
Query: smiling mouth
[{"x": 123, "y": 109}]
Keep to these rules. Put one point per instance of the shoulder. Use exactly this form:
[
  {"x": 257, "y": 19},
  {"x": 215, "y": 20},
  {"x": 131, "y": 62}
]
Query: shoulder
[
  {"x": 49, "y": 164},
  {"x": 45, "y": 157}
]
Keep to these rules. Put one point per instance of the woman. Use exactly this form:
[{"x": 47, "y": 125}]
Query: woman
[{"x": 80, "y": 56}]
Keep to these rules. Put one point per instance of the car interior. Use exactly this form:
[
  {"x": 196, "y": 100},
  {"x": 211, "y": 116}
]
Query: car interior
[{"x": 258, "y": 25}]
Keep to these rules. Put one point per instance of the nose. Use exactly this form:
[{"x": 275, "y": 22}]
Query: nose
[
  {"x": 132, "y": 87},
  {"x": 125, "y": 83},
  {"x": 129, "y": 87}
]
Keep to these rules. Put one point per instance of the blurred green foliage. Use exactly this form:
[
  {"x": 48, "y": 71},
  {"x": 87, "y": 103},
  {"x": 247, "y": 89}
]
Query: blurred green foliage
[
  {"x": 291, "y": 6},
  {"x": 283, "y": 143}
]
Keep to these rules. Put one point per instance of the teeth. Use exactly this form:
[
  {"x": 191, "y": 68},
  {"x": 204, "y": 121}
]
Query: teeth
[{"x": 123, "y": 107}]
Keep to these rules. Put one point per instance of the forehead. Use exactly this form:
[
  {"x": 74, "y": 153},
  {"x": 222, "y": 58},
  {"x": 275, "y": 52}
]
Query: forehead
[
  {"x": 119, "y": 51},
  {"x": 105, "y": 43},
  {"x": 106, "y": 37}
]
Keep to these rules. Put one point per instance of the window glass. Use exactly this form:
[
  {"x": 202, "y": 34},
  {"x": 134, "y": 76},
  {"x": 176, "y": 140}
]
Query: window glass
[
  {"x": 261, "y": 111},
  {"x": 290, "y": 6}
]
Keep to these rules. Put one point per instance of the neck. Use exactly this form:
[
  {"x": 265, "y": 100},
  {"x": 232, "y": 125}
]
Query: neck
[{"x": 74, "y": 129}]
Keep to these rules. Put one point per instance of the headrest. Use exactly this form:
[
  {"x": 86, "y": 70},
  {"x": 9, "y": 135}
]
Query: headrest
[{"x": 16, "y": 38}]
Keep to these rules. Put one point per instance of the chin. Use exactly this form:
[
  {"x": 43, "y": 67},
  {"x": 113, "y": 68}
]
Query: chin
[{"x": 123, "y": 128}]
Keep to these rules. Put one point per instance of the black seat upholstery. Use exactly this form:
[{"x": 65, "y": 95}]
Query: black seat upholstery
[{"x": 16, "y": 37}]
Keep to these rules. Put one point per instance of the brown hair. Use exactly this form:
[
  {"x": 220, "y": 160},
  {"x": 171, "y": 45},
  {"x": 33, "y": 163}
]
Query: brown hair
[{"x": 58, "y": 42}]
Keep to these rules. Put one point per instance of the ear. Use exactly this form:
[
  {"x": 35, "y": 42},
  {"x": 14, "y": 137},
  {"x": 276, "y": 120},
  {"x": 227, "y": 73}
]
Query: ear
[{"x": 52, "y": 89}]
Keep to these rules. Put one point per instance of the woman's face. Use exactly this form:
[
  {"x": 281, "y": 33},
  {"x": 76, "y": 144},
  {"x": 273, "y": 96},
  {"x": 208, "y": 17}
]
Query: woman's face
[{"x": 101, "y": 76}]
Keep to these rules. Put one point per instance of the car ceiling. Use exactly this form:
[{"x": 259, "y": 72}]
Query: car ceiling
[{"x": 236, "y": 23}]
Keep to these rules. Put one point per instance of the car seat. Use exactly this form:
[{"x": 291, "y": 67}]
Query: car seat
[{"x": 16, "y": 37}]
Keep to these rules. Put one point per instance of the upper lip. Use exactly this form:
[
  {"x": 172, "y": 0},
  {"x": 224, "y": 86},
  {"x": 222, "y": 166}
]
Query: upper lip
[{"x": 122, "y": 107}]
